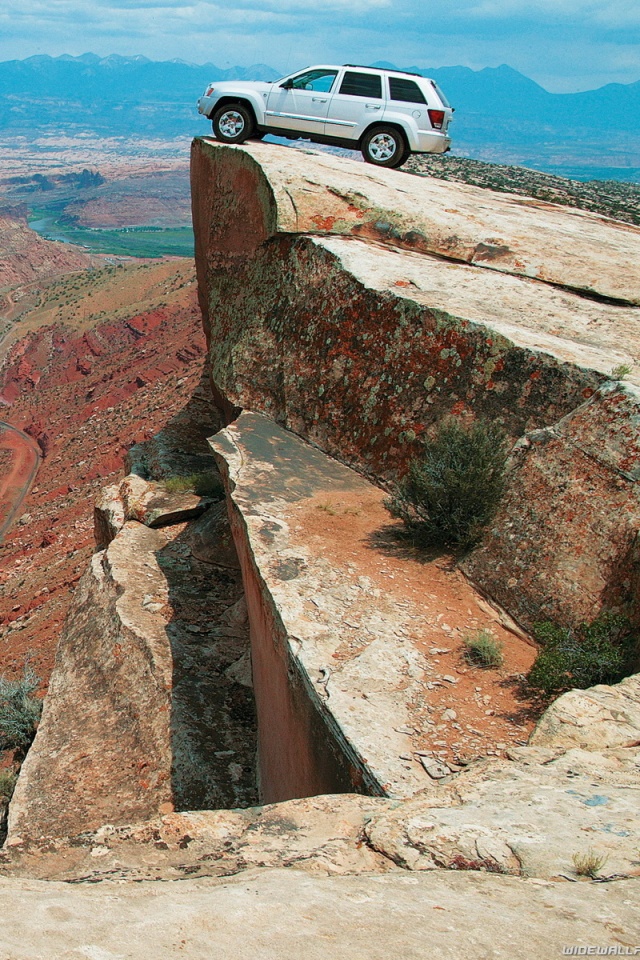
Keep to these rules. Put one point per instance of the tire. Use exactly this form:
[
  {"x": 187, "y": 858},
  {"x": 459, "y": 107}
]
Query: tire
[
  {"x": 232, "y": 123},
  {"x": 384, "y": 147}
]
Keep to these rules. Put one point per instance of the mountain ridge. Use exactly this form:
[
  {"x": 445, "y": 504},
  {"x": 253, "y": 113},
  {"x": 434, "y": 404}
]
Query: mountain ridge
[{"x": 501, "y": 115}]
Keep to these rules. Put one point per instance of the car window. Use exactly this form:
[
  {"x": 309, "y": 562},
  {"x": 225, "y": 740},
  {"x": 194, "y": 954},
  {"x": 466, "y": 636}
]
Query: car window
[
  {"x": 319, "y": 80},
  {"x": 362, "y": 85},
  {"x": 406, "y": 90},
  {"x": 443, "y": 99}
]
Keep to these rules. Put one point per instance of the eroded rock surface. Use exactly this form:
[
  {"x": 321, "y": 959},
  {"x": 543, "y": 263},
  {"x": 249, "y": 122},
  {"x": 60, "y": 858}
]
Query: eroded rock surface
[
  {"x": 341, "y": 314},
  {"x": 564, "y": 543},
  {"x": 321, "y": 835},
  {"x": 341, "y": 665},
  {"x": 150, "y": 706},
  {"x": 526, "y": 817},
  {"x": 140, "y": 716},
  {"x": 277, "y": 190},
  {"x": 280, "y": 913},
  {"x": 600, "y": 718}
]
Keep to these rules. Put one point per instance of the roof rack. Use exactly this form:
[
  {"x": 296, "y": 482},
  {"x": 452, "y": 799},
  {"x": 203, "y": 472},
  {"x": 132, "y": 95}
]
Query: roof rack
[{"x": 362, "y": 66}]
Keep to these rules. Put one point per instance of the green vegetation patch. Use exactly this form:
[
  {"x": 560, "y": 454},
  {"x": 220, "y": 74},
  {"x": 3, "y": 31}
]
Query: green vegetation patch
[
  {"x": 7, "y": 784},
  {"x": 452, "y": 490},
  {"x": 597, "y": 652},
  {"x": 482, "y": 649},
  {"x": 203, "y": 484},
  {"x": 19, "y": 711},
  {"x": 588, "y": 864},
  {"x": 145, "y": 241}
]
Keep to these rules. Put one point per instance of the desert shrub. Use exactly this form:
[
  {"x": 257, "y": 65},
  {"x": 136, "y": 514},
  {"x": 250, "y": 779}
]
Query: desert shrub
[
  {"x": 7, "y": 783},
  {"x": 588, "y": 864},
  {"x": 452, "y": 490},
  {"x": 595, "y": 652},
  {"x": 205, "y": 484},
  {"x": 19, "y": 711},
  {"x": 620, "y": 372},
  {"x": 483, "y": 650}
]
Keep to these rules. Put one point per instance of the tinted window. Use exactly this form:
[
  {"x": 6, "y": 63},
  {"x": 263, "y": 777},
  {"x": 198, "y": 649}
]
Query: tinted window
[
  {"x": 362, "y": 85},
  {"x": 405, "y": 90}
]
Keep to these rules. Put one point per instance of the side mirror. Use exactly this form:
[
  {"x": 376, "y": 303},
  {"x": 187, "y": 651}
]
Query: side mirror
[{"x": 287, "y": 85}]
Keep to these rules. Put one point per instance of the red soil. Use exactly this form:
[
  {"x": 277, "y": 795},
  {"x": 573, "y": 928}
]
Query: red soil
[
  {"x": 19, "y": 457},
  {"x": 85, "y": 398},
  {"x": 491, "y": 711}
]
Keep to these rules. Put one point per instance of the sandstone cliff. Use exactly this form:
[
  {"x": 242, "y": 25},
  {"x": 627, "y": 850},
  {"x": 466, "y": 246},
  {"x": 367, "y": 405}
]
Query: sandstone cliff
[
  {"x": 357, "y": 307},
  {"x": 346, "y": 311}
]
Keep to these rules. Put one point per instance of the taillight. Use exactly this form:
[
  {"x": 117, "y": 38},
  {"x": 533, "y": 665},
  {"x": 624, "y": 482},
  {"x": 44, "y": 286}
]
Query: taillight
[
  {"x": 209, "y": 91},
  {"x": 437, "y": 118}
]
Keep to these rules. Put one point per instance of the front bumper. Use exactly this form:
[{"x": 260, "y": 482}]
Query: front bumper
[{"x": 205, "y": 106}]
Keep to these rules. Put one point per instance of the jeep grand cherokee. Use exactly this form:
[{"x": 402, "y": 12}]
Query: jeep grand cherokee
[{"x": 387, "y": 114}]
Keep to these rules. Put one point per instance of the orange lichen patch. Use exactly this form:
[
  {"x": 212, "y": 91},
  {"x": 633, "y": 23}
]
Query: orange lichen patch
[
  {"x": 486, "y": 710},
  {"x": 324, "y": 223}
]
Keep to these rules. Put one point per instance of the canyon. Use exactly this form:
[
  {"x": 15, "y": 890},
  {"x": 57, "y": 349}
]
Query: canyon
[{"x": 255, "y": 691}]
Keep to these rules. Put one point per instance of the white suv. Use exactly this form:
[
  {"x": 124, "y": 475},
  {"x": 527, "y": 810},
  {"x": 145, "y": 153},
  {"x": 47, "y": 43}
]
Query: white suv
[{"x": 387, "y": 114}]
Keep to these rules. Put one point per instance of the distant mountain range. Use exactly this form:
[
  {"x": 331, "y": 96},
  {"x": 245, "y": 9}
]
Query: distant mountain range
[{"x": 501, "y": 115}]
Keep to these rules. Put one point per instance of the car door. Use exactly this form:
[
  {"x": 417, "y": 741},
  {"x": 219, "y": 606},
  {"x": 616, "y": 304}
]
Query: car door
[
  {"x": 301, "y": 102},
  {"x": 356, "y": 104}
]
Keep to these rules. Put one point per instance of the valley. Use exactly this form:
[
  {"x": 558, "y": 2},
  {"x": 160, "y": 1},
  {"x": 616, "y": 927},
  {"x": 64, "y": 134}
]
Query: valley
[
  {"x": 120, "y": 196},
  {"x": 88, "y": 376}
]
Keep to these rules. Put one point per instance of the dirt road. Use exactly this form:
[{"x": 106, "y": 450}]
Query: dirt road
[{"x": 19, "y": 461}]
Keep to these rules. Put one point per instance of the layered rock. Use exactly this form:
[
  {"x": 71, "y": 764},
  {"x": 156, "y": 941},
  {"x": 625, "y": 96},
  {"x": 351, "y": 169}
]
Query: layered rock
[
  {"x": 27, "y": 258},
  {"x": 141, "y": 366},
  {"x": 242, "y": 200},
  {"x": 148, "y": 708},
  {"x": 359, "y": 307},
  {"x": 602, "y": 718},
  {"x": 346, "y": 644}
]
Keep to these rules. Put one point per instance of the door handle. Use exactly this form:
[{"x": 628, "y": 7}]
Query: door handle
[
  {"x": 373, "y": 106},
  {"x": 319, "y": 99}
]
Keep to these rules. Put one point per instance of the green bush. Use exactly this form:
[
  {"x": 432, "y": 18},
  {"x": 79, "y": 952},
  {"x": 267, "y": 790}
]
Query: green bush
[
  {"x": 483, "y": 650},
  {"x": 595, "y": 652},
  {"x": 19, "y": 711},
  {"x": 453, "y": 489}
]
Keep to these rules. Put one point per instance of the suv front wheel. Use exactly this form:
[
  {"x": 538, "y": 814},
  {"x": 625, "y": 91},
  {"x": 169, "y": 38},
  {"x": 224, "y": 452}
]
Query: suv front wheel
[
  {"x": 384, "y": 147},
  {"x": 232, "y": 123}
]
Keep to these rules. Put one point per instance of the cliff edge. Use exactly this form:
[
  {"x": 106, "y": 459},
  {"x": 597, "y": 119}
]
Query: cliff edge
[
  {"x": 347, "y": 311},
  {"x": 357, "y": 307}
]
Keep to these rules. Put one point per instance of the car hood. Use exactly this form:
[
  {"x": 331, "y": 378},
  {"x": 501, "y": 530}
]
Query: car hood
[{"x": 236, "y": 86}]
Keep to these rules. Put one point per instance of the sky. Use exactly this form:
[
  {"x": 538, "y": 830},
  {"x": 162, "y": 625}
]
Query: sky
[{"x": 565, "y": 45}]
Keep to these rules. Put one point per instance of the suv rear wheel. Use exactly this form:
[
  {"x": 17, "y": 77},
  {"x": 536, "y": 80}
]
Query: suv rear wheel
[
  {"x": 232, "y": 123},
  {"x": 384, "y": 147}
]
